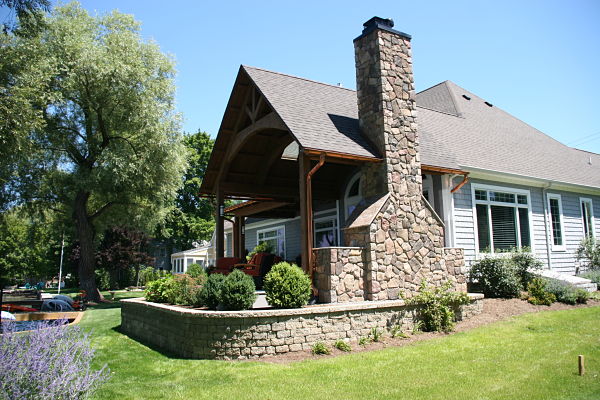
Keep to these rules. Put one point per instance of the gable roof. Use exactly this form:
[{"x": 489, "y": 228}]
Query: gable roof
[
  {"x": 455, "y": 132},
  {"x": 320, "y": 116}
]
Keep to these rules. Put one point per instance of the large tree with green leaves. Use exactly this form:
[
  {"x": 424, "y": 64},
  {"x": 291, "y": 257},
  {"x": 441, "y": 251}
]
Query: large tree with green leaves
[
  {"x": 191, "y": 220},
  {"x": 96, "y": 105}
]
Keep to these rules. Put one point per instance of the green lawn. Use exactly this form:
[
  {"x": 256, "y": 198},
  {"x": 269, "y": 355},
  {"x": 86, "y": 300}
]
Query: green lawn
[{"x": 529, "y": 357}]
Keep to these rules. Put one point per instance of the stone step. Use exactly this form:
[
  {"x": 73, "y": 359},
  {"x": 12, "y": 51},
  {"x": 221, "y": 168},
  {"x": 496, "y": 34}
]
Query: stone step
[{"x": 576, "y": 281}]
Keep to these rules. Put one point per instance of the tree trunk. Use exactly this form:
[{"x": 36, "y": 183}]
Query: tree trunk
[{"x": 85, "y": 235}]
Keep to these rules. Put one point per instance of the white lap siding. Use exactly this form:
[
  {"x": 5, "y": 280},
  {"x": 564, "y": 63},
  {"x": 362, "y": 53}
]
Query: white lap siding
[{"x": 563, "y": 261}]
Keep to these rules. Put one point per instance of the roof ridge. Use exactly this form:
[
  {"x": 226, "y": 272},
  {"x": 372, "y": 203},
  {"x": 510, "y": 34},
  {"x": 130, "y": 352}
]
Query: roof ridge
[
  {"x": 298, "y": 77},
  {"x": 584, "y": 151}
]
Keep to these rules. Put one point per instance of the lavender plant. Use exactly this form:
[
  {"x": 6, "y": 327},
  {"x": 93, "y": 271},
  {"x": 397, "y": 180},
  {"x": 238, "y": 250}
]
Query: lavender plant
[{"x": 50, "y": 362}]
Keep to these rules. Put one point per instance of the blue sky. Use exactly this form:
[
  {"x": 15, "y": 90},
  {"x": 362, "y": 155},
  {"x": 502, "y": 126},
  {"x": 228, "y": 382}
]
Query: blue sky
[{"x": 538, "y": 60}]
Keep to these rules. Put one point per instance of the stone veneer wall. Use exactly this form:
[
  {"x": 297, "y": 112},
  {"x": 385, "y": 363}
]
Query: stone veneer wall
[
  {"x": 256, "y": 333},
  {"x": 339, "y": 274},
  {"x": 404, "y": 242}
]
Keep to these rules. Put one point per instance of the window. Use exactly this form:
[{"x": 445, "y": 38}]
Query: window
[
  {"x": 326, "y": 232},
  {"x": 555, "y": 209},
  {"x": 352, "y": 196},
  {"x": 502, "y": 219},
  {"x": 587, "y": 217},
  {"x": 275, "y": 236},
  {"x": 428, "y": 188}
]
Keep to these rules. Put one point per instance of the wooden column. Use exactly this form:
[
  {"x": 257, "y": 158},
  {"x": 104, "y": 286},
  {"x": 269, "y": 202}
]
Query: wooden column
[
  {"x": 305, "y": 241},
  {"x": 239, "y": 247},
  {"x": 219, "y": 227},
  {"x": 235, "y": 235},
  {"x": 242, "y": 241}
]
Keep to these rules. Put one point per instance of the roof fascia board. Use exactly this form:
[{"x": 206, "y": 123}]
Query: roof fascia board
[{"x": 478, "y": 173}]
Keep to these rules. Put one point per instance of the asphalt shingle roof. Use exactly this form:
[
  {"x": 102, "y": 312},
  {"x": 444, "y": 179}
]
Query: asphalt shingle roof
[{"x": 455, "y": 132}]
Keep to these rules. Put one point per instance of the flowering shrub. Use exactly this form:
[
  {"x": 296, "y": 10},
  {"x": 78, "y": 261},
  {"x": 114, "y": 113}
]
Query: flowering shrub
[{"x": 51, "y": 362}]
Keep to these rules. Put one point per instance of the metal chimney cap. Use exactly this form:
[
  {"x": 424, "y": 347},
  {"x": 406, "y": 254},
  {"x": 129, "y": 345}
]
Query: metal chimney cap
[{"x": 385, "y": 24}]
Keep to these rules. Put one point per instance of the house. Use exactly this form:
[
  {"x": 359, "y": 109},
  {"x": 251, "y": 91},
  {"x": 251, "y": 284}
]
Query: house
[
  {"x": 374, "y": 190},
  {"x": 200, "y": 255}
]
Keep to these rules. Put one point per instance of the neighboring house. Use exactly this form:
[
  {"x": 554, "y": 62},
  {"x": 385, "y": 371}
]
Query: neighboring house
[
  {"x": 361, "y": 159},
  {"x": 199, "y": 255},
  {"x": 158, "y": 249}
]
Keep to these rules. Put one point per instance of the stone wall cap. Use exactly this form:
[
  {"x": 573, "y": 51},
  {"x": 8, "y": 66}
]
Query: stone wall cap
[{"x": 316, "y": 309}]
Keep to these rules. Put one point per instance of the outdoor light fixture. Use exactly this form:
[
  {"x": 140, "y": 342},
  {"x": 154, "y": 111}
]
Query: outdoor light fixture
[{"x": 221, "y": 210}]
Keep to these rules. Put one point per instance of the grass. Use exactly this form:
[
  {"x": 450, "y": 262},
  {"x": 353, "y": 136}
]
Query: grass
[{"x": 533, "y": 356}]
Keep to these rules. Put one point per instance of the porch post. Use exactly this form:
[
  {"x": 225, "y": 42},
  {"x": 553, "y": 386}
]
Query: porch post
[
  {"x": 242, "y": 236},
  {"x": 219, "y": 227},
  {"x": 236, "y": 237},
  {"x": 304, "y": 168}
]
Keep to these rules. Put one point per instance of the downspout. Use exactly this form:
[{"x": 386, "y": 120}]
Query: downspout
[
  {"x": 545, "y": 200},
  {"x": 461, "y": 184},
  {"x": 309, "y": 213}
]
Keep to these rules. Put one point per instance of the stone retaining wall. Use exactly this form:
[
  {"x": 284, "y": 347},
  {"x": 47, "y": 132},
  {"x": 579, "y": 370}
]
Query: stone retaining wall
[{"x": 246, "y": 334}]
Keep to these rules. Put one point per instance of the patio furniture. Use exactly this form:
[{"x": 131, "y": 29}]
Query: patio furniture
[
  {"x": 259, "y": 265},
  {"x": 225, "y": 265}
]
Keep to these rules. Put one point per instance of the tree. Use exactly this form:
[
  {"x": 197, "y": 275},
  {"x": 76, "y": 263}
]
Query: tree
[
  {"x": 97, "y": 103},
  {"x": 24, "y": 9},
  {"x": 192, "y": 217},
  {"x": 120, "y": 249},
  {"x": 29, "y": 246}
]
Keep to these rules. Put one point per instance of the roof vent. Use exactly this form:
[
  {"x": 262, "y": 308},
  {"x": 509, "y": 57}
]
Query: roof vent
[
  {"x": 487, "y": 103},
  {"x": 466, "y": 97},
  {"x": 340, "y": 84}
]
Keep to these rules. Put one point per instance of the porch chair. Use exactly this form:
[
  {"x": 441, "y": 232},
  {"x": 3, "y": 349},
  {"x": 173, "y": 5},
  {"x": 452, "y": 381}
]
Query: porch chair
[{"x": 225, "y": 265}]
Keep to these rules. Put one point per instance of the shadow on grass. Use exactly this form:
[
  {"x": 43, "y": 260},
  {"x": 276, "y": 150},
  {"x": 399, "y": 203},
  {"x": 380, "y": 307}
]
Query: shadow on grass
[{"x": 151, "y": 346}]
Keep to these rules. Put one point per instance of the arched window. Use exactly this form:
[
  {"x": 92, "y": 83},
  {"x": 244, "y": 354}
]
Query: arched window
[{"x": 353, "y": 195}]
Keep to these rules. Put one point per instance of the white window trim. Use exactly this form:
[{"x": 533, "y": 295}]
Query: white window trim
[
  {"x": 481, "y": 186},
  {"x": 593, "y": 227},
  {"x": 274, "y": 228},
  {"x": 563, "y": 246},
  {"x": 335, "y": 228}
]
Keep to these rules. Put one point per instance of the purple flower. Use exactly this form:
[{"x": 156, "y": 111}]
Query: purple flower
[{"x": 51, "y": 362}]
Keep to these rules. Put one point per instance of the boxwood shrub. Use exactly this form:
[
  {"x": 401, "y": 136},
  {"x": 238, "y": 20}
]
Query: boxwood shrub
[
  {"x": 237, "y": 291},
  {"x": 211, "y": 291},
  {"x": 287, "y": 286}
]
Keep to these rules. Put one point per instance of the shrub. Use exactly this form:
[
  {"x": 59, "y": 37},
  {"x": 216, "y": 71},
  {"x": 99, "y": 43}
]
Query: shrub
[
  {"x": 538, "y": 294},
  {"x": 592, "y": 275},
  {"x": 50, "y": 362},
  {"x": 320, "y": 348},
  {"x": 160, "y": 290},
  {"x": 148, "y": 274},
  {"x": 566, "y": 293},
  {"x": 287, "y": 286},
  {"x": 582, "y": 296},
  {"x": 183, "y": 291},
  {"x": 237, "y": 292},
  {"x": 103, "y": 279},
  {"x": 196, "y": 271},
  {"x": 436, "y": 312},
  {"x": 210, "y": 296},
  {"x": 524, "y": 263},
  {"x": 342, "y": 346},
  {"x": 589, "y": 250},
  {"x": 262, "y": 247},
  {"x": 496, "y": 277}
]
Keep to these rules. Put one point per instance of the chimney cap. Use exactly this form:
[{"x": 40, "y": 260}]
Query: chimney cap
[{"x": 385, "y": 24}]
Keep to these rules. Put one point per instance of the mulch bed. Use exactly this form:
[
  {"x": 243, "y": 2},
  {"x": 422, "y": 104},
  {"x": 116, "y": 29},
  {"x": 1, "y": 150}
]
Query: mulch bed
[{"x": 493, "y": 310}]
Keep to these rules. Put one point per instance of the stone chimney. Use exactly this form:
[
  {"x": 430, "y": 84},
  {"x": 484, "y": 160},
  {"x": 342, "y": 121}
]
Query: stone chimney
[
  {"x": 387, "y": 110},
  {"x": 401, "y": 237}
]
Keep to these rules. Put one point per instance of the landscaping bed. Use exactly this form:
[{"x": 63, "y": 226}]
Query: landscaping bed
[{"x": 494, "y": 310}]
